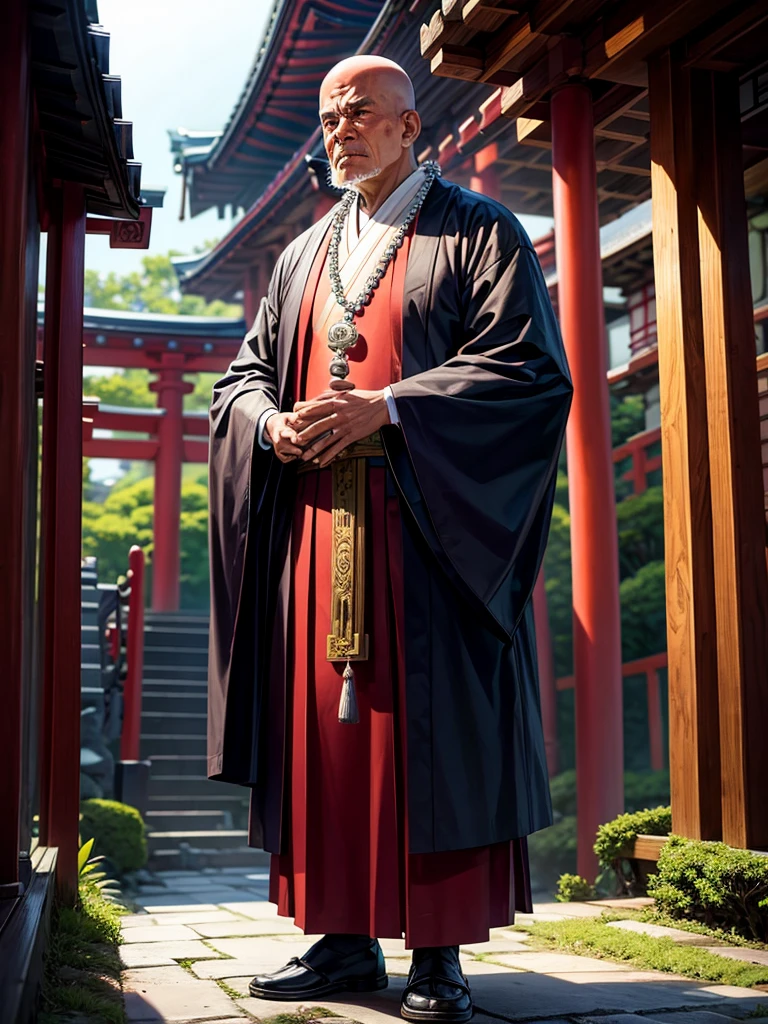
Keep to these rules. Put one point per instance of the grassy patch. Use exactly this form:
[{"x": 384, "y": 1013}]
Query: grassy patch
[
  {"x": 300, "y": 1016},
  {"x": 227, "y": 988},
  {"x": 593, "y": 937},
  {"x": 82, "y": 967}
]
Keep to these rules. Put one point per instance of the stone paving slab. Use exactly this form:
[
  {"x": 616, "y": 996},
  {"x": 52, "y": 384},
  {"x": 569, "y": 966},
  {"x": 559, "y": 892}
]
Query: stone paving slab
[
  {"x": 160, "y": 954},
  {"x": 256, "y": 909},
  {"x": 692, "y": 1017},
  {"x": 659, "y": 931},
  {"x": 624, "y": 903},
  {"x": 247, "y": 956},
  {"x": 180, "y": 917},
  {"x": 177, "y": 903},
  {"x": 160, "y": 933},
  {"x": 499, "y": 942},
  {"x": 174, "y": 1004},
  {"x": 265, "y": 926},
  {"x": 169, "y": 975},
  {"x": 753, "y": 956},
  {"x": 565, "y": 910}
]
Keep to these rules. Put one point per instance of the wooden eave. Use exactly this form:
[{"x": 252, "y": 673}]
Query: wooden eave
[
  {"x": 529, "y": 49},
  {"x": 277, "y": 109},
  {"x": 82, "y": 133}
]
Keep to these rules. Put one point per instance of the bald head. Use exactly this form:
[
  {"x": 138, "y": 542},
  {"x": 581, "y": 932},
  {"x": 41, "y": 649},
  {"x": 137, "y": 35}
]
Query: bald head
[
  {"x": 379, "y": 74},
  {"x": 368, "y": 118}
]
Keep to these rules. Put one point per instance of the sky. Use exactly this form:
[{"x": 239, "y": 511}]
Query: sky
[{"x": 183, "y": 63}]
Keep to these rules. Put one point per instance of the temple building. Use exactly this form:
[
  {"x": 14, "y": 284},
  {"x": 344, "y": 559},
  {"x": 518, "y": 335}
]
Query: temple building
[{"x": 657, "y": 266}]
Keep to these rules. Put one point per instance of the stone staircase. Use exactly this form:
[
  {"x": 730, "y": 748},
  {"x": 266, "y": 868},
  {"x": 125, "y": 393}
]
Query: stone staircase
[{"x": 193, "y": 822}]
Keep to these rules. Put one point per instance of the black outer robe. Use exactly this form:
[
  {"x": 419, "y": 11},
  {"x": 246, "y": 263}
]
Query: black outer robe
[{"x": 483, "y": 405}]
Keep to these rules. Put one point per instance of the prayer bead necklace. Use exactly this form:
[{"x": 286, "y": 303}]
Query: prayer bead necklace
[{"x": 343, "y": 334}]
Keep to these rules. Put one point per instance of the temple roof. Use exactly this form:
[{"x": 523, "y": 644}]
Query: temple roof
[
  {"x": 79, "y": 107},
  {"x": 277, "y": 109}
]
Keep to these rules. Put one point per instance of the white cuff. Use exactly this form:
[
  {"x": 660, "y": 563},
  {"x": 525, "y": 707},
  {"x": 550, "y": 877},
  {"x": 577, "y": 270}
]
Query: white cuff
[
  {"x": 391, "y": 405},
  {"x": 266, "y": 445}
]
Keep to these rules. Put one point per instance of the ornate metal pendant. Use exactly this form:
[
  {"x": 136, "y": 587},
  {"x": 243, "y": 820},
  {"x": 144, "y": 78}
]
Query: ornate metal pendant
[{"x": 341, "y": 336}]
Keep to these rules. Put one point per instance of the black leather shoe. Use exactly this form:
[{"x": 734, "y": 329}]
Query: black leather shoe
[
  {"x": 436, "y": 989},
  {"x": 333, "y": 964}
]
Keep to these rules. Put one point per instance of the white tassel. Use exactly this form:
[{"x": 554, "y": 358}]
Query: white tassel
[{"x": 348, "y": 713}]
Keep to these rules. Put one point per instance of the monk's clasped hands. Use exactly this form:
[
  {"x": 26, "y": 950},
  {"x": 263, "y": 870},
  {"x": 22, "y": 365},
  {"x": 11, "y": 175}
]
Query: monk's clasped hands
[{"x": 326, "y": 425}]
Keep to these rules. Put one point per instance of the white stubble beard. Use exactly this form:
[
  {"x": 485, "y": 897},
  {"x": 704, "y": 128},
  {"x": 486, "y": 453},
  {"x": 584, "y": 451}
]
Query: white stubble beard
[{"x": 353, "y": 182}]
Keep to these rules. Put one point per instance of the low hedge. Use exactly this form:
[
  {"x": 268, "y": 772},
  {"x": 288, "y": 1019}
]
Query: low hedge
[
  {"x": 118, "y": 833},
  {"x": 714, "y": 884},
  {"x": 615, "y": 836}
]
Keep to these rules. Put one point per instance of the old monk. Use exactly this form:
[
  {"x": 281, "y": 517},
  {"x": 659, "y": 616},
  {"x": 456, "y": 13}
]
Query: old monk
[{"x": 383, "y": 464}]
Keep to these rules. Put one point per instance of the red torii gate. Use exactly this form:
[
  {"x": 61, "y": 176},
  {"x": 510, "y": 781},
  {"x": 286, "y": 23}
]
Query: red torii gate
[{"x": 170, "y": 346}]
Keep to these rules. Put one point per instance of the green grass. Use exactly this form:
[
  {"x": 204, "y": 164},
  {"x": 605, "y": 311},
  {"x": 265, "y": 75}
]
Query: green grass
[
  {"x": 301, "y": 1016},
  {"x": 82, "y": 967},
  {"x": 593, "y": 937}
]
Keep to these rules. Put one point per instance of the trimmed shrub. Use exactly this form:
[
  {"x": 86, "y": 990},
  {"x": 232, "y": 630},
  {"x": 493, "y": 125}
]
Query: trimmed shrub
[
  {"x": 118, "y": 832},
  {"x": 715, "y": 884},
  {"x": 615, "y": 836},
  {"x": 571, "y": 888}
]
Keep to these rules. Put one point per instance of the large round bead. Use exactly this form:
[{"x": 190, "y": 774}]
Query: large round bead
[{"x": 342, "y": 335}]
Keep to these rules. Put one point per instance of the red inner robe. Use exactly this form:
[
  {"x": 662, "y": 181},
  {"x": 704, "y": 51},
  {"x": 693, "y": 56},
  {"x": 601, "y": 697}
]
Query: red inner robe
[{"x": 346, "y": 868}]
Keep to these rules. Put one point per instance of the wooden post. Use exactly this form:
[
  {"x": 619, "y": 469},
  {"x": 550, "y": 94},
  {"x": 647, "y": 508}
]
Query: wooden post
[
  {"x": 594, "y": 541},
  {"x": 486, "y": 178},
  {"x": 16, "y": 393},
  {"x": 130, "y": 739},
  {"x": 61, "y": 527},
  {"x": 166, "y": 560},
  {"x": 738, "y": 519},
  {"x": 694, "y": 751}
]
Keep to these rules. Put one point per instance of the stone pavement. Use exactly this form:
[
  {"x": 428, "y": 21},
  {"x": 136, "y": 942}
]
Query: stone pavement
[{"x": 200, "y": 937}]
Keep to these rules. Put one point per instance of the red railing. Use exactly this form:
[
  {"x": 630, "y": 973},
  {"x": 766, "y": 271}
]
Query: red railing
[
  {"x": 636, "y": 449},
  {"x": 129, "y": 741},
  {"x": 649, "y": 667}
]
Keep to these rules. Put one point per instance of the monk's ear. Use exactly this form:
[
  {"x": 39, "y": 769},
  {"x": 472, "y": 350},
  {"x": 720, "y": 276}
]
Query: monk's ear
[{"x": 411, "y": 127}]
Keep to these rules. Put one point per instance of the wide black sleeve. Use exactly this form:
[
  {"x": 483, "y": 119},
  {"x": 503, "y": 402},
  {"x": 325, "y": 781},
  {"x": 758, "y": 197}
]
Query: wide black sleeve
[{"x": 483, "y": 433}]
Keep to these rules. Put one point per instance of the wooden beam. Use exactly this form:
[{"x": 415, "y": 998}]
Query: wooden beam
[
  {"x": 558, "y": 64},
  {"x": 618, "y": 48},
  {"x": 741, "y": 583},
  {"x": 487, "y": 15},
  {"x": 694, "y": 751},
  {"x": 458, "y": 62}
]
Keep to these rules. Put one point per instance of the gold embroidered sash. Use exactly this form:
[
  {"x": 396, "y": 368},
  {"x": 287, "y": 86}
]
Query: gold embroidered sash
[{"x": 347, "y": 640}]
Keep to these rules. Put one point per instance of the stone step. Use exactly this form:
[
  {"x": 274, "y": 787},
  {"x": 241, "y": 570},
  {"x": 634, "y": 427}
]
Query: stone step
[
  {"x": 159, "y": 743},
  {"x": 235, "y": 803},
  {"x": 154, "y": 685},
  {"x": 179, "y": 764},
  {"x": 186, "y": 723},
  {"x": 185, "y": 859},
  {"x": 181, "y": 674},
  {"x": 202, "y": 839},
  {"x": 176, "y": 620},
  {"x": 163, "y": 702},
  {"x": 174, "y": 784},
  {"x": 178, "y": 821},
  {"x": 176, "y": 656},
  {"x": 161, "y": 636}
]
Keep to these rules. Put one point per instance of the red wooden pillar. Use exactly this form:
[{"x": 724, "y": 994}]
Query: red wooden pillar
[
  {"x": 166, "y": 561},
  {"x": 486, "y": 178},
  {"x": 14, "y": 429},
  {"x": 61, "y": 529},
  {"x": 547, "y": 688},
  {"x": 594, "y": 544}
]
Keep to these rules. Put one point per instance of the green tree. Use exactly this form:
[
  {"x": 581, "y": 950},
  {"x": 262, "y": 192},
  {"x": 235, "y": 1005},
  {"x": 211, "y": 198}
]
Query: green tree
[
  {"x": 153, "y": 289},
  {"x": 129, "y": 388},
  {"x": 126, "y": 517}
]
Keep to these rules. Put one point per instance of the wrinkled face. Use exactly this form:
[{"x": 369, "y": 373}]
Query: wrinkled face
[{"x": 365, "y": 126}]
